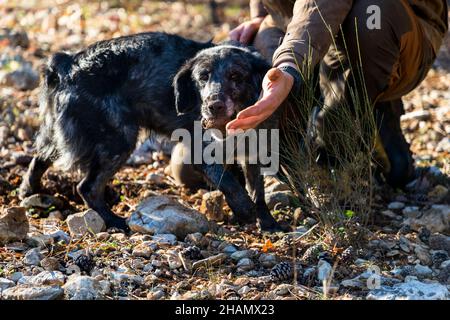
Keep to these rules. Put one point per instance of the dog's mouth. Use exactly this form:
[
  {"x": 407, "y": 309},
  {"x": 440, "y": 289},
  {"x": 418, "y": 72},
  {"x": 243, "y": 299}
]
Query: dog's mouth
[
  {"x": 213, "y": 123},
  {"x": 217, "y": 122}
]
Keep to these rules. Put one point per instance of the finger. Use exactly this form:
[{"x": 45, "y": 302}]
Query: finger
[
  {"x": 244, "y": 124},
  {"x": 246, "y": 35},
  {"x": 235, "y": 34},
  {"x": 250, "y": 111},
  {"x": 260, "y": 108}
]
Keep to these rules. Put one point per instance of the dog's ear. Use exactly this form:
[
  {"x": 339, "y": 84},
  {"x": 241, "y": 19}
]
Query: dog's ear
[
  {"x": 186, "y": 93},
  {"x": 259, "y": 68},
  {"x": 259, "y": 64}
]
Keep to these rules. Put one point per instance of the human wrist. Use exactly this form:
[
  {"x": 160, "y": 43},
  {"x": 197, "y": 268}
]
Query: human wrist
[{"x": 291, "y": 70}]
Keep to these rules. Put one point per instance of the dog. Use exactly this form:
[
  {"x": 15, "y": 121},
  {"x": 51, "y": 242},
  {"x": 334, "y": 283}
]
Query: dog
[
  {"x": 221, "y": 81},
  {"x": 95, "y": 102}
]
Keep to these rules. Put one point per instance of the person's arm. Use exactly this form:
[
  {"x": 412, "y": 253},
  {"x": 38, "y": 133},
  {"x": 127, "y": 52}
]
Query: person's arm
[
  {"x": 310, "y": 32},
  {"x": 257, "y": 9},
  {"x": 312, "y": 27}
]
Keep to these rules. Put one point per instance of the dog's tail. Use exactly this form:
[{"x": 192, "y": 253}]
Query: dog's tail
[{"x": 58, "y": 66}]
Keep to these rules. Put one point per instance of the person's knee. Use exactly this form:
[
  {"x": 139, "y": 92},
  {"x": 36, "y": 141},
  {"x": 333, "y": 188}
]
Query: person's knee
[
  {"x": 267, "y": 39},
  {"x": 376, "y": 25},
  {"x": 181, "y": 171},
  {"x": 377, "y": 15}
]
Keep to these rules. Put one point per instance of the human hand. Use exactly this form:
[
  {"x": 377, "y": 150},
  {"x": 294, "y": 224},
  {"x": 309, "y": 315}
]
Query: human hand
[
  {"x": 245, "y": 32},
  {"x": 276, "y": 87}
]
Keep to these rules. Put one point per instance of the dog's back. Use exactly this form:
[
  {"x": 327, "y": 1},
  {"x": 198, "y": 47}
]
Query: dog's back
[{"x": 102, "y": 96}]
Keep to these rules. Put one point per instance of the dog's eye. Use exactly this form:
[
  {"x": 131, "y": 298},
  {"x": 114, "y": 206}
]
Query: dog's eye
[
  {"x": 236, "y": 77},
  {"x": 204, "y": 76}
]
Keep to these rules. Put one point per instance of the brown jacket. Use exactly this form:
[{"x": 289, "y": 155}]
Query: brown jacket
[{"x": 303, "y": 21}]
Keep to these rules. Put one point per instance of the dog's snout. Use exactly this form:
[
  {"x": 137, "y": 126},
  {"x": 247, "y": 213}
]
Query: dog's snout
[{"x": 216, "y": 107}]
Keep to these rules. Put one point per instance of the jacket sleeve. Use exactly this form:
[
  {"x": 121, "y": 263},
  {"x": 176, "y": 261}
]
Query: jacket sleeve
[
  {"x": 310, "y": 32},
  {"x": 257, "y": 9}
]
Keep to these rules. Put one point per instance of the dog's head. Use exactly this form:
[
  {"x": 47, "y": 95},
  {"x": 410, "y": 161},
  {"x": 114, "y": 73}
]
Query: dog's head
[{"x": 221, "y": 81}]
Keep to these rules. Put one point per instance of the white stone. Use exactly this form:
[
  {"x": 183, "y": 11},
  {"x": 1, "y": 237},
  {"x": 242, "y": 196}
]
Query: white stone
[
  {"x": 238, "y": 255},
  {"x": 118, "y": 277},
  {"x": 166, "y": 238},
  {"x": 268, "y": 260},
  {"x": 324, "y": 270},
  {"x": 411, "y": 290},
  {"x": 144, "y": 250},
  {"x": 244, "y": 290},
  {"x": 85, "y": 222},
  {"x": 13, "y": 225},
  {"x": 42, "y": 201},
  {"x": 396, "y": 205},
  {"x": 423, "y": 255},
  {"x": 83, "y": 288},
  {"x": 174, "y": 261},
  {"x": 5, "y": 284},
  {"x": 33, "y": 257},
  {"x": 423, "y": 271},
  {"x": 411, "y": 212},
  {"x": 50, "y": 278},
  {"x": 16, "y": 276},
  {"x": 229, "y": 249},
  {"x": 245, "y": 264},
  {"x": 155, "y": 178},
  {"x": 161, "y": 214},
  {"x": 25, "y": 292},
  {"x": 436, "y": 219}
]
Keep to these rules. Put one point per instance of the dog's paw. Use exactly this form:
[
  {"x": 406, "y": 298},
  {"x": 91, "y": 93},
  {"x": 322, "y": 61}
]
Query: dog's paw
[
  {"x": 117, "y": 223},
  {"x": 25, "y": 190},
  {"x": 241, "y": 221},
  {"x": 271, "y": 226}
]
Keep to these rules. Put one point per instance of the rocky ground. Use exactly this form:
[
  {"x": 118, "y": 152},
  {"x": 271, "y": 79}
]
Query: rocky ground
[{"x": 53, "y": 249}]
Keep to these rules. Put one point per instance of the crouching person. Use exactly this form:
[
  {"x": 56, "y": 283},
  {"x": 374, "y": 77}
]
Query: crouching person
[{"x": 396, "y": 51}]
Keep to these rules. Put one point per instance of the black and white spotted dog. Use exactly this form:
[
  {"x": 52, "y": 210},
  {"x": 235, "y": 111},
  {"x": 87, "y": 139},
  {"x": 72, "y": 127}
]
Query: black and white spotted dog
[{"x": 95, "y": 102}]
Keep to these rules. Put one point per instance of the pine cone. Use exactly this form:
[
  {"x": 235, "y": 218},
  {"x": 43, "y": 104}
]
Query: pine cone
[
  {"x": 282, "y": 271},
  {"x": 407, "y": 271},
  {"x": 230, "y": 294},
  {"x": 437, "y": 257},
  {"x": 85, "y": 263},
  {"x": 347, "y": 255},
  {"x": 312, "y": 253},
  {"x": 192, "y": 253}
]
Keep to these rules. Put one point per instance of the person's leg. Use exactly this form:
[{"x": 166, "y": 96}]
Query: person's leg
[
  {"x": 387, "y": 115},
  {"x": 394, "y": 59}
]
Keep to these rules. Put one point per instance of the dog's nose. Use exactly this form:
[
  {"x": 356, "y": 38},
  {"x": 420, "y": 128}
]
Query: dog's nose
[{"x": 216, "y": 107}]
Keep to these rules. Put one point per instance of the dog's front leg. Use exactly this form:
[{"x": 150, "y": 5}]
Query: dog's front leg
[
  {"x": 255, "y": 186},
  {"x": 31, "y": 182},
  {"x": 236, "y": 196}
]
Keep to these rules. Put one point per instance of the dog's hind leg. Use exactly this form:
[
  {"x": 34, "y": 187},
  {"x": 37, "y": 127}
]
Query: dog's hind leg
[
  {"x": 255, "y": 187},
  {"x": 92, "y": 189},
  {"x": 46, "y": 150},
  {"x": 31, "y": 182}
]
